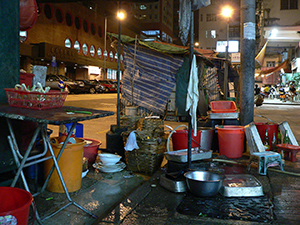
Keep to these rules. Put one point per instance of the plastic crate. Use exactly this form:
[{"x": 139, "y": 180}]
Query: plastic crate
[
  {"x": 26, "y": 78},
  {"x": 223, "y": 106},
  {"x": 35, "y": 100}
]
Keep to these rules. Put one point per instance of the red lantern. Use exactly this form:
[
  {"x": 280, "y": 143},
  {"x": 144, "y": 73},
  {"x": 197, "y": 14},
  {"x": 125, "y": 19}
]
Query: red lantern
[{"x": 28, "y": 14}]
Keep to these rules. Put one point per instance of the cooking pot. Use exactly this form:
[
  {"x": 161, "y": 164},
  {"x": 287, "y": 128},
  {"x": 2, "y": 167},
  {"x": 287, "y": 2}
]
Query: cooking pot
[{"x": 204, "y": 183}]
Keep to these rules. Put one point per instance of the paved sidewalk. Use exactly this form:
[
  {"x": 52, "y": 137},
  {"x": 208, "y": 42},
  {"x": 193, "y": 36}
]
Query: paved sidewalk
[{"x": 278, "y": 101}]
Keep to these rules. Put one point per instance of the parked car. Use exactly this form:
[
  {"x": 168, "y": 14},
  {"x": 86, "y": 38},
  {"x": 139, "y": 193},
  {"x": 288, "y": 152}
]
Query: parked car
[
  {"x": 100, "y": 87},
  {"x": 58, "y": 82},
  {"x": 116, "y": 83},
  {"x": 91, "y": 87},
  {"x": 108, "y": 86}
]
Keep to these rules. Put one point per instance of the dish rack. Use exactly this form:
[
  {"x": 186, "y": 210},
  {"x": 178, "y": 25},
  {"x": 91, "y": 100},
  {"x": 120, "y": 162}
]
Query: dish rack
[{"x": 35, "y": 100}]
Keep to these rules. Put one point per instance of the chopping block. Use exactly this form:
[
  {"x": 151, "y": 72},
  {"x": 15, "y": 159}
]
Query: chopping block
[{"x": 289, "y": 150}]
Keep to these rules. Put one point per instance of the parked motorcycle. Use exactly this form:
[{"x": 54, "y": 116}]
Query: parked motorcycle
[{"x": 258, "y": 100}]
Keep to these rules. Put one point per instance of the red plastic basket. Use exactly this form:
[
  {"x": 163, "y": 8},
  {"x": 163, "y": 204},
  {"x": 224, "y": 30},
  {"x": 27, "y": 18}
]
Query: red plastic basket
[
  {"x": 223, "y": 106},
  {"x": 35, "y": 100}
]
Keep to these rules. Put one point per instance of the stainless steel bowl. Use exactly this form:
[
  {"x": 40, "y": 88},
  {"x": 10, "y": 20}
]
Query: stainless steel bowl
[{"x": 204, "y": 183}]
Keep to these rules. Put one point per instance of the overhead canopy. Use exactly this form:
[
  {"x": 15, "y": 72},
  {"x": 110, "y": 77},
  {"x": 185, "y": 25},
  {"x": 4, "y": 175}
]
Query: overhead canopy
[
  {"x": 165, "y": 47},
  {"x": 274, "y": 69}
]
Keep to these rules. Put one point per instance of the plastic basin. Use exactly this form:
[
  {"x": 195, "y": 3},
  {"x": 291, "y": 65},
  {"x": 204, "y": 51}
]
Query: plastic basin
[{"x": 223, "y": 106}]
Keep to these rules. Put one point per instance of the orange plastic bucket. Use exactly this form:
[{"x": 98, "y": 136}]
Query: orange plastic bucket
[
  {"x": 14, "y": 205},
  {"x": 180, "y": 139},
  {"x": 231, "y": 141},
  {"x": 70, "y": 164}
]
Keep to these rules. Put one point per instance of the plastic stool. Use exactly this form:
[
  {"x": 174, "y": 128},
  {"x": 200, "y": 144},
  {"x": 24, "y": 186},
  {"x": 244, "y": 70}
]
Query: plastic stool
[{"x": 289, "y": 150}]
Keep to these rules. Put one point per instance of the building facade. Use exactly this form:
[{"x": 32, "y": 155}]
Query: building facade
[
  {"x": 281, "y": 16},
  {"x": 76, "y": 36},
  {"x": 156, "y": 19}
]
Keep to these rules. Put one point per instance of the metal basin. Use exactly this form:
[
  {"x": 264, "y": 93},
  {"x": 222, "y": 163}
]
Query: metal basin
[{"x": 204, "y": 183}]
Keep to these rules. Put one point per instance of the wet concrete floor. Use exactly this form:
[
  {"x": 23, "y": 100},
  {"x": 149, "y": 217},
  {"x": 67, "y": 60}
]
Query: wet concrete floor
[
  {"x": 128, "y": 198},
  {"x": 153, "y": 204}
]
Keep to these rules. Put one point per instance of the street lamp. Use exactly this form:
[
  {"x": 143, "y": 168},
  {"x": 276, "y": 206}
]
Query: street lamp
[
  {"x": 226, "y": 12},
  {"x": 121, "y": 16}
]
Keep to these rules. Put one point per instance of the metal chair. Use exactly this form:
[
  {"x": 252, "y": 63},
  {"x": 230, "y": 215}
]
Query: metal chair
[{"x": 258, "y": 155}]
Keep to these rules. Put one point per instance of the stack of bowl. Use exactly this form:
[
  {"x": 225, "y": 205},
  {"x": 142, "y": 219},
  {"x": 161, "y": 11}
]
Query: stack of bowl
[{"x": 109, "y": 159}]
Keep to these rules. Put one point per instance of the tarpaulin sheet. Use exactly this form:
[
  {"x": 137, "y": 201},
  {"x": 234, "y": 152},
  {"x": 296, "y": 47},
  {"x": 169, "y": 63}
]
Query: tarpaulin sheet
[{"x": 153, "y": 74}]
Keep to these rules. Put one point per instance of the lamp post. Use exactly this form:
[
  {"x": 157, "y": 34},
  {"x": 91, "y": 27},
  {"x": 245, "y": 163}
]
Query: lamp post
[
  {"x": 226, "y": 12},
  {"x": 120, "y": 16}
]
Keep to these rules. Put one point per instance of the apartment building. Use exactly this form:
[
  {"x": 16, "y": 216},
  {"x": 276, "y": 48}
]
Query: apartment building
[
  {"x": 156, "y": 19},
  {"x": 277, "y": 21}
]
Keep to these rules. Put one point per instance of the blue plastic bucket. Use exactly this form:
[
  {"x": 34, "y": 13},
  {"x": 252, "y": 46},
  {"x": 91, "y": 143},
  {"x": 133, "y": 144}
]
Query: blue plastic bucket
[{"x": 65, "y": 128}]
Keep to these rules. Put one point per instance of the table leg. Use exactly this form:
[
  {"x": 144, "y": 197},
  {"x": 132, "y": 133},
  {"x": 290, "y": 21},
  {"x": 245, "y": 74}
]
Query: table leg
[
  {"x": 14, "y": 149},
  {"x": 55, "y": 165},
  {"x": 31, "y": 144},
  {"x": 59, "y": 154}
]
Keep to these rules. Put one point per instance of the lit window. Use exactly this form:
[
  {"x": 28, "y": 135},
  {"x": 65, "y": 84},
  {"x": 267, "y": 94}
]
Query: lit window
[
  {"x": 85, "y": 49},
  {"x": 105, "y": 54},
  {"x": 92, "y": 50},
  {"x": 23, "y": 36},
  {"x": 111, "y": 56},
  {"x": 213, "y": 34},
  {"x": 151, "y": 32},
  {"x": 77, "y": 46},
  {"x": 68, "y": 43},
  {"x": 143, "y": 7}
]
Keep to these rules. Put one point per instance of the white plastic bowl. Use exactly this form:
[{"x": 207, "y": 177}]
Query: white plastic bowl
[{"x": 109, "y": 159}]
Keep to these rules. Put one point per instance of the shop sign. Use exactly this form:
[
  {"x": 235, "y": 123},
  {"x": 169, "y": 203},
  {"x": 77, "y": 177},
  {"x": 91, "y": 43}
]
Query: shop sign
[
  {"x": 236, "y": 57},
  {"x": 61, "y": 53}
]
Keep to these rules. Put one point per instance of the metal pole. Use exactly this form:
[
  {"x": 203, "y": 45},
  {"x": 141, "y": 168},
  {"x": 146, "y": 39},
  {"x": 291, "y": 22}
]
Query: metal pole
[
  {"x": 226, "y": 63},
  {"x": 119, "y": 66},
  {"x": 247, "y": 61},
  {"x": 190, "y": 122},
  {"x": 105, "y": 35}
]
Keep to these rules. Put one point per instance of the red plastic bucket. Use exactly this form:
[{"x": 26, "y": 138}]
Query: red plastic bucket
[
  {"x": 14, "y": 205},
  {"x": 90, "y": 151},
  {"x": 180, "y": 139},
  {"x": 231, "y": 141},
  {"x": 272, "y": 130}
]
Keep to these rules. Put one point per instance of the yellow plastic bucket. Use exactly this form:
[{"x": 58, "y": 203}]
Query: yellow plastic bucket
[{"x": 70, "y": 164}]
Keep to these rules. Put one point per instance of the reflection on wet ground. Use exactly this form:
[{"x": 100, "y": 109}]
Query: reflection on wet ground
[
  {"x": 157, "y": 205},
  {"x": 258, "y": 209}
]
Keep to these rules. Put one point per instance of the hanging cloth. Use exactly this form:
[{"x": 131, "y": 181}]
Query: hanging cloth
[
  {"x": 131, "y": 143},
  {"x": 192, "y": 97}
]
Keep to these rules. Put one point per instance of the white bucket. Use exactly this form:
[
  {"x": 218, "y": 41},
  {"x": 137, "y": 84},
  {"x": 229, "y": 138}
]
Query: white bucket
[{"x": 131, "y": 110}]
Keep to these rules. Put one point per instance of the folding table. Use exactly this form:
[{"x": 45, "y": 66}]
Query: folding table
[{"x": 56, "y": 116}]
